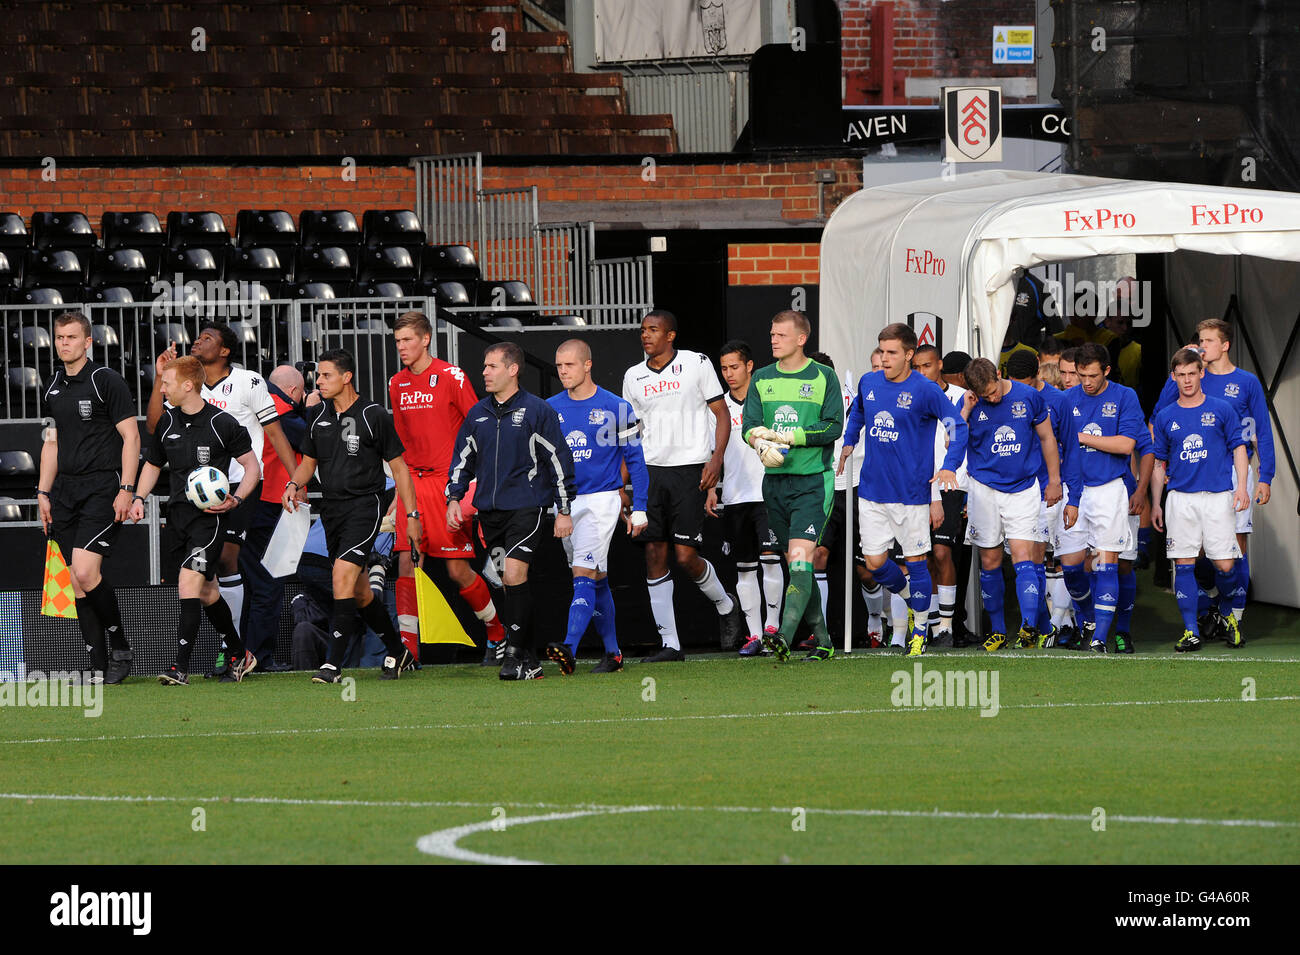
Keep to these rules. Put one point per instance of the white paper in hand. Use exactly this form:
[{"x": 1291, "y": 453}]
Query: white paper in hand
[{"x": 285, "y": 549}]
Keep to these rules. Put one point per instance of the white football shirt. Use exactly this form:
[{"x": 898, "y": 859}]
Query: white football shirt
[
  {"x": 672, "y": 405},
  {"x": 244, "y": 395},
  {"x": 742, "y": 471}
]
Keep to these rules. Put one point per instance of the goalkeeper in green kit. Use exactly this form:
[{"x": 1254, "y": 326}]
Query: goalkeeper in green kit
[{"x": 793, "y": 413}]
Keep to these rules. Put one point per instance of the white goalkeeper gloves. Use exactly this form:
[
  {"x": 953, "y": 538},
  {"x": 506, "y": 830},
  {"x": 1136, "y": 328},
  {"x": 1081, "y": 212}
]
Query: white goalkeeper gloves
[{"x": 771, "y": 453}]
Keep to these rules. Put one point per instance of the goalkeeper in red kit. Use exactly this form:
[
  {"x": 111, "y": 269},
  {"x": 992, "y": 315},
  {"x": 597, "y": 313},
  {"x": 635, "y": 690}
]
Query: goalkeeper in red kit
[{"x": 430, "y": 399}]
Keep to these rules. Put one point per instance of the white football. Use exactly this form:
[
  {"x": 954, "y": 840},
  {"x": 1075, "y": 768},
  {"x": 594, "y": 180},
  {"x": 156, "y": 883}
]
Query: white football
[{"x": 206, "y": 487}]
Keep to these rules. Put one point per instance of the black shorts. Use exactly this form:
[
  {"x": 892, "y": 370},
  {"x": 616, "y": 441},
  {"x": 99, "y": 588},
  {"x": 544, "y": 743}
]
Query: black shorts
[
  {"x": 235, "y": 524},
  {"x": 517, "y": 534},
  {"x": 832, "y": 537},
  {"x": 745, "y": 531},
  {"x": 952, "y": 532},
  {"x": 199, "y": 536},
  {"x": 351, "y": 526},
  {"x": 82, "y": 510},
  {"x": 676, "y": 506}
]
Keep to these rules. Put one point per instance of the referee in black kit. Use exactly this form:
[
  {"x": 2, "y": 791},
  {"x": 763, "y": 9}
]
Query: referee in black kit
[
  {"x": 351, "y": 438},
  {"x": 88, "y": 467}
]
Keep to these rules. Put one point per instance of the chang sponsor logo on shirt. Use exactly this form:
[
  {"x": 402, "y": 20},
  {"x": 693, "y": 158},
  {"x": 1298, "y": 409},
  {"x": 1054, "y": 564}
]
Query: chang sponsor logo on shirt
[
  {"x": 577, "y": 442},
  {"x": 1194, "y": 449},
  {"x": 882, "y": 428},
  {"x": 785, "y": 418},
  {"x": 1005, "y": 442}
]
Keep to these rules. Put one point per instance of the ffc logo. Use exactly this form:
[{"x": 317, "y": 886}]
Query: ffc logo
[
  {"x": 973, "y": 121},
  {"x": 928, "y": 327}
]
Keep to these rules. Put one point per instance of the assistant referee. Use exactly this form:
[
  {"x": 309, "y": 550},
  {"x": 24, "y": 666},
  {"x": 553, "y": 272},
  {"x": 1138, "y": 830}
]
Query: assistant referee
[{"x": 88, "y": 468}]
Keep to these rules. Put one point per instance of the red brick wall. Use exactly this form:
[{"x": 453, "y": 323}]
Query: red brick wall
[
  {"x": 775, "y": 263},
  {"x": 228, "y": 189},
  {"x": 926, "y": 34},
  {"x": 222, "y": 189}
]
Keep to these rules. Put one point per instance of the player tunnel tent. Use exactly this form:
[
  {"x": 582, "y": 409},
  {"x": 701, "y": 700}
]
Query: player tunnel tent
[{"x": 944, "y": 253}]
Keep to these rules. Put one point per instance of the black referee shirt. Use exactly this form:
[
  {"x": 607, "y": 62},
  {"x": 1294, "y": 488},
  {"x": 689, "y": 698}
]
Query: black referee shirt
[
  {"x": 87, "y": 408},
  {"x": 184, "y": 442},
  {"x": 351, "y": 448}
]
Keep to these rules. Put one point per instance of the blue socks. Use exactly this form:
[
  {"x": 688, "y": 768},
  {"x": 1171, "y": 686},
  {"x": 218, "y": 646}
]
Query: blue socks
[
  {"x": 1128, "y": 588},
  {"x": 1230, "y": 590},
  {"x": 1185, "y": 592},
  {"x": 1144, "y": 539},
  {"x": 1044, "y": 610},
  {"x": 1028, "y": 592},
  {"x": 1106, "y": 598},
  {"x": 1078, "y": 583},
  {"x": 992, "y": 592},
  {"x": 580, "y": 611},
  {"x": 892, "y": 578},
  {"x": 603, "y": 617},
  {"x": 918, "y": 578}
]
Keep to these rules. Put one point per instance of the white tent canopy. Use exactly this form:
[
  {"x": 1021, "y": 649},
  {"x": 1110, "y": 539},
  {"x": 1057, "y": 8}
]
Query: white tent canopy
[
  {"x": 951, "y": 247},
  {"x": 944, "y": 252}
]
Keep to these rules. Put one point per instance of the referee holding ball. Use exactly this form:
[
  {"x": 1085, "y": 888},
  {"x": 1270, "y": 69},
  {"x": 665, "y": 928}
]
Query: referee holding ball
[{"x": 88, "y": 465}]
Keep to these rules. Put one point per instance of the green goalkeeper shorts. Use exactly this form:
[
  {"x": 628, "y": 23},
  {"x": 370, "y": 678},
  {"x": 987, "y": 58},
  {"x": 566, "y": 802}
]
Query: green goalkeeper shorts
[{"x": 798, "y": 505}]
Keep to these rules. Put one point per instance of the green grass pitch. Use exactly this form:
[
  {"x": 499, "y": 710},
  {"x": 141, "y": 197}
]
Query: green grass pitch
[{"x": 452, "y": 764}]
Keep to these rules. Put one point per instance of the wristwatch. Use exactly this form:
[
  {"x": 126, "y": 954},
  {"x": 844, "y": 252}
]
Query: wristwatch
[
  {"x": 42, "y": 493},
  {"x": 415, "y": 514},
  {"x": 126, "y": 487},
  {"x": 137, "y": 497},
  {"x": 564, "y": 509}
]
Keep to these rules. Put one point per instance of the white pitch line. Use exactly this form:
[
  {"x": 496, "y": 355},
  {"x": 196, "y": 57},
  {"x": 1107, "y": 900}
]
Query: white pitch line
[{"x": 505, "y": 724}]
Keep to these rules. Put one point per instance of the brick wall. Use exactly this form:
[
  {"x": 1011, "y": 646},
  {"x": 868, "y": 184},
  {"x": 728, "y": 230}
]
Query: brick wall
[
  {"x": 226, "y": 190},
  {"x": 223, "y": 189},
  {"x": 931, "y": 38},
  {"x": 773, "y": 263}
]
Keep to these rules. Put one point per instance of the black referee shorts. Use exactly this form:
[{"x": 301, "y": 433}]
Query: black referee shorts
[
  {"x": 952, "y": 532},
  {"x": 516, "y": 534},
  {"x": 197, "y": 535},
  {"x": 675, "y": 509},
  {"x": 82, "y": 510},
  {"x": 351, "y": 526},
  {"x": 746, "y": 533},
  {"x": 235, "y": 524}
]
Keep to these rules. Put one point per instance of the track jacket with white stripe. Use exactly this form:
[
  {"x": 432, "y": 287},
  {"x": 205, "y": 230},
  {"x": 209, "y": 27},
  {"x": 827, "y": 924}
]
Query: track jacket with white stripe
[{"x": 518, "y": 454}]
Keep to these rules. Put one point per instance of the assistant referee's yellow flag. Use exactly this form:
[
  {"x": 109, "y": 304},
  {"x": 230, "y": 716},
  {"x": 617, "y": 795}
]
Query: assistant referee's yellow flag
[
  {"x": 438, "y": 623},
  {"x": 57, "y": 597}
]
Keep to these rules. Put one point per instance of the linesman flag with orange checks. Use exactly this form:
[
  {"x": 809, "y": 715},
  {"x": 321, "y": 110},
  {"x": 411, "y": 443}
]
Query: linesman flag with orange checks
[{"x": 57, "y": 598}]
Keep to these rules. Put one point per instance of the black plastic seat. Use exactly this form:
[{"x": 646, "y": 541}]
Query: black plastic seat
[
  {"x": 389, "y": 264},
  {"x": 17, "y": 464},
  {"x": 37, "y": 296},
  {"x": 400, "y": 227},
  {"x": 9, "y": 510},
  {"x": 53, "y": 268},
  {"x": 23, "y": 392},
  {"x": 506, "y": 321},
  {"x": 121, "y": 266},
  {"x": 115, "y": 294},
  {"x": 451, "y": 295},
  {"x": 164, "y": 333},
  {"x": 510, "y": 295},
  {"x": 574, "y": 320},
  {"x": 259, "y": 264},
  {"x": 32, "y": 342},
  {"x": 62, "y": 230},
  {"x": 193, "y": 264},
  {"x": 328, "y": 227},
  {"x": 312, "y": 290},
  {"x": 132, "y": 230},
  {"x": 7, "y": 275},
  {"x": 13, "y": 232},
  {"x": 449, "y": 263},
  {"x": 330, "y": 263},
  {"x": 188, "y": 230},
  {"x": 379, "y": 290},
  {"x": 265, "y": 228}
]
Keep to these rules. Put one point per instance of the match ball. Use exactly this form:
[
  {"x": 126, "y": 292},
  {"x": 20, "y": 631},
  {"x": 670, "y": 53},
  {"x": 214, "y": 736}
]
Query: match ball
[{"x": 206, "y": 487}]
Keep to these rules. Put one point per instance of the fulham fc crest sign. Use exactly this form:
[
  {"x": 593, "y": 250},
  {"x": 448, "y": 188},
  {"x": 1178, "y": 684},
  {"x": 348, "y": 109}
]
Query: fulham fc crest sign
[
  {"x": 972, "y": 123},
  {"x": 928, "y": 328}
]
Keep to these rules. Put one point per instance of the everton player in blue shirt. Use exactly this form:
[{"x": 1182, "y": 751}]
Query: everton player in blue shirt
[
  {"x": 1106, "y": 424},
  {"x": 1003, "y": 504},
  {"x": 601, "y": 431},
  {"x": 1200, "y": 446},
  {"x": 899, "y": 409}
]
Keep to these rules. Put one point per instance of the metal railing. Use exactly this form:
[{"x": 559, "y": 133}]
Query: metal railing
[
  {"x": 447, "y": 192},
  {"x": 508, "y": 238}
]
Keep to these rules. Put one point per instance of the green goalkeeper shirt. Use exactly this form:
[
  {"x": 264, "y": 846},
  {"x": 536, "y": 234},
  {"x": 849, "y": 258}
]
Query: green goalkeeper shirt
[{"x": 806, "y": 404}]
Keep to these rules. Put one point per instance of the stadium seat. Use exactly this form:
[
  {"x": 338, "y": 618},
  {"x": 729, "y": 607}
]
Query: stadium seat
[
  {"x": 37, "y": 296},
  {"x": 574, "y": 320},
  {"x": 451, "y": 295},
  {"x": 118, "y": 267},
  {"x": 331, "y": 264},
  {"x": 132, "y": 230},
  {"x": 13, "y": 233},
  {"x": 378, "y": 290},
  {"x": 23, "y": 392},
  {"x": 448, "y": 263},
  {"x": 7, "y": 276},
  {"x": 9, "y": 510},
  {"x": 506, "y": 321},
  {"x": 62, "y": 230},
  {"x": 15, "y": 465},
  {"x": 114, "y": 294},
  {"x": 33, "y": 343},
  {"x": 400, "y": 227},
  {"x": 389, "y": 264},
  {"x": 329, "y": 227},
  {"x": 266, "y": 229},
  {"x": 260, "y": 264},
  {"x": 187, "y": 230},
  {"x": 193, "y": 264},
  {"x": 49, "y": 268},
  {"x": 506, "y": 295},
  {"x": 312, "y": 290},
  {"x": 166, "y": 332},
  {"x": 106, "y": 344}
]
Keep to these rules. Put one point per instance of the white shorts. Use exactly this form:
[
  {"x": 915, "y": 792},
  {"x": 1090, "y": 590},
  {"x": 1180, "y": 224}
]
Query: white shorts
[
  {"x": 995, "y": 516},
  {"x": 595, "y": 518},
  {"x": 1051, "y": 520},
  {"x": 1201, "y": 520},
  {"x": 1245, "y": 520},
  {"x": 879, "y": 525},
  {"x": 1134, "y": 525},
  {"x": 1103, "y": 522}
]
